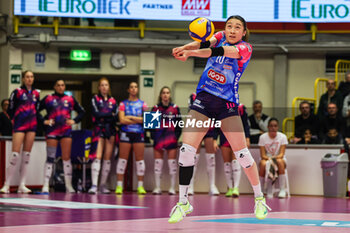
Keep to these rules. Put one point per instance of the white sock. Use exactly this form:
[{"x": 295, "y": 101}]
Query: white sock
[
  {"x": 158, "y": 167},
  {"x": 120, "y": 183},
  {"x": 172, "y": 172},
  {"x": 67, "y": 169},
  {"x": 47, "y": 173},
  {"x": 282, "y": 181},
  {"x": 11, "y": 168},
  {"x": 95, "y": 171},
  {"x": 257, "y": 190},
  {"x": 106, "y": 168},
  {"x": 228, "y": 174},
  {"x": 24, "y": 167},
  {"x": 183, "y": 194},
  {"x": 196, "y": 159},
  {"x": 211, "y": 168},
  {"x": 236, "y": 173},
  {"x": 140, "y": 184},
  {"x": 262, "y": 183}
]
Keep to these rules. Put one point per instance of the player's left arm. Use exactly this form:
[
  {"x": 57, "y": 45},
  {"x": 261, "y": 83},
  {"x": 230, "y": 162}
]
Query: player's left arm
[
  {"x": 282, "y": 152},
  {"x": 139, "y": 119},
  {"x": 80, "y": 110}
]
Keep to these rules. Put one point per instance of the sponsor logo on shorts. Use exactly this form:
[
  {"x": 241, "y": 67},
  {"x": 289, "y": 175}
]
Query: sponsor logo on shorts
[{"x": 217, "y": 77}]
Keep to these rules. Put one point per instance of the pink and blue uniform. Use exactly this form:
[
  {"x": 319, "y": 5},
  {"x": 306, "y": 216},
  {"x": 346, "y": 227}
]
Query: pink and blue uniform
[
  {"x": 59, "y": 108},
  {"x": 244, "y": 116},
  {"x": 104, "y": 118},
  {"x": 133, "y": 133},
  {"x": 23, "y": 109},
  {"x": 219, "y": 81},
  {"x": 166, "y": 138}
]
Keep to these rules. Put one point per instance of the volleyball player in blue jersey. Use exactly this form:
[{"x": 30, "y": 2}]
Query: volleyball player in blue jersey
[
  {"x": 217, "y": 97},
  {"x": 131, "y": 136}
]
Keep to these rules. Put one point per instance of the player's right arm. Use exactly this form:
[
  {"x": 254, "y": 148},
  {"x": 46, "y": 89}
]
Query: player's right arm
[{"x": 124, "y": 120}]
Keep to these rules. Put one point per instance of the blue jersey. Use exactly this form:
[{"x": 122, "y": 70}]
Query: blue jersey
[
  {"x": 222, "y": 74},
  {"x": 133, "y": 108}
]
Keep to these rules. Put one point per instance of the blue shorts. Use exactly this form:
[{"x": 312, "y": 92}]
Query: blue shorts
[
  {"x": 210, "y": 133},
  {"x": 166, "y": 142},
  {"x": 214, "y": 107},
  {"x": 130, "y": 137}
]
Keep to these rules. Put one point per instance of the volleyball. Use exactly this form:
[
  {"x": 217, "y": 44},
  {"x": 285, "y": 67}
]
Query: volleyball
[{"x": 201, "y": 29}]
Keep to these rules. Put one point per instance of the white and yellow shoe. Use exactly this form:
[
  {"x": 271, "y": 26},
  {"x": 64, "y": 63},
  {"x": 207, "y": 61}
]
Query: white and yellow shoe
[
  {"x": 5, "y": 189},
  {"x": 179, "y": 212},
  {"x": 23, "y": 189},
  {"x": 260, "y": 208}
]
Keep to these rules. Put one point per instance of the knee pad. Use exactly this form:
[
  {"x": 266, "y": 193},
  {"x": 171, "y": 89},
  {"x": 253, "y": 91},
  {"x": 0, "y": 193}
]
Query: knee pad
[
  {"x": 14, "y": 158},
  {"x": 158, "y": 166},
  {"x": 172, "y": 166},
  {"x": 51, "y": 154},
  {"x": 196, "y": 159},
  {"x": 140, "y": 167},
  {"x": 187, "y": 155},
  {"x": 121, "y": 166},
  {"x": 25, "y": 157},
  {"x": 96, "y": 165},
  {"x": 106, "y": 165},
  {"x": 210, "y": 160},
  {"x": 227, "y": 168},
  {"x": 244, "y": 158},
  {"x": 235, "y": 166}
]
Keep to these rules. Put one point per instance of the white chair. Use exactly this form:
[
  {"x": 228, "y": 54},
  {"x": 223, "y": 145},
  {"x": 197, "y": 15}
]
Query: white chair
[{"x": 275, "y": 187}]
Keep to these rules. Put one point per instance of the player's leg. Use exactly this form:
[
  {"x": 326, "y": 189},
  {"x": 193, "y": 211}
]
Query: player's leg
[
  {"x": 158, "y": 167},
  {"x": 192, "y": 136},
  {"x": 172, "y": 170},
  {"x": 51, "y": 148},
  {"x": 27, "y": 148},
  {"x": 236, "y": 174},
  {"x": 106, "y": 165},
  {"x": 139, "y": 149},
  {"x": 210, "y": 158},
  {"x": 281, "y": 177},
  {"x": 233, "y": 130},
  {"x": 96, "y": 165},
  {"x": 124, "y": 151},
  {"x": 66, "y": 147},
  {"x": 196, "y": 159},
  {"x": 17, "y": 141},
  {"x": 226, "y": 155}
]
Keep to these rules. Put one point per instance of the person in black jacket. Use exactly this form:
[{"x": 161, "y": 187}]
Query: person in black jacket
[
  {"x": 306, "y": 120},
  {"x": 258, "y": 122},
  {"x": 5, "y": 120}
]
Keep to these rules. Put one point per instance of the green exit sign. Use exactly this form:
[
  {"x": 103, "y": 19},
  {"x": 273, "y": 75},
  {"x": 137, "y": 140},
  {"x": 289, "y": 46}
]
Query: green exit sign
[
  {"x": 80, "y": 55},
  {"x": 148, "y": 82}
]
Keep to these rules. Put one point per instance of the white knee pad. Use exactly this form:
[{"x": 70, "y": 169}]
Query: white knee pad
[
  {"x": 244, "y": 158},
  {"x": 140, "y": 167},
  {"x": 25, "y": 157},
  {"x": 172, "y": 166},
  {"x": 121, "y": 166},
  {"x": 158, "y": 166},
  {"x": 210, "y": 160},
  {"x": 187, "y": 155},
  {"x": 14, "y": 158}
]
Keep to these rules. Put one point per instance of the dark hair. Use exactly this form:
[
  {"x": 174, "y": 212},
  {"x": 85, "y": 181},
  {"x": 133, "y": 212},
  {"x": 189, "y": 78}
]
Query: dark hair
[
  {"x": 25, "y": 72},
  {"x": 303, "y": 102},
  {"x": 160, "y": 93},
  {"x": 257, "y": 102},
  {"x": 273, "y": 119},
  {"x": 133, "y": 82},
  {"x": 240, "y": 18},
  {"x": 3, "y": 102},
  {"x": 56, "y": 81}
]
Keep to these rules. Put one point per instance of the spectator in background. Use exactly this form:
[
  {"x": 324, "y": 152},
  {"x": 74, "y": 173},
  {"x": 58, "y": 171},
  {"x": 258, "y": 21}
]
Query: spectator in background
[
  {"x": 331, "y": 96},
  {"x": 333, "y": 137},
  {"x": 306, "y": 120},
  {"x": 332, "y": 120},
  {"x": 258, "y": 122},
  {"x": 5, "y": 120},
  {"x": 272, "y": 148},
  {"x": 344, "y": 87},
  {"x": 346, "y": 110},
  {"x": 307, "y": 138}
]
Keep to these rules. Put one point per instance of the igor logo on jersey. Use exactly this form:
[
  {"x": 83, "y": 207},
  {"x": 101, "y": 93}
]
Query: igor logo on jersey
[
  {"x": 220, "y": 78},
  {"x": 151, "y": 120}
]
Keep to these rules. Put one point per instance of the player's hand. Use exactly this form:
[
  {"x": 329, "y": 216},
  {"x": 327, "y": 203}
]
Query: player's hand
[
  {"x": 182, "y": 56},
  {"x": 50, "y": 122},
  {"x": 177, "y": 50},
  {"x": 70, "y": 122}
]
